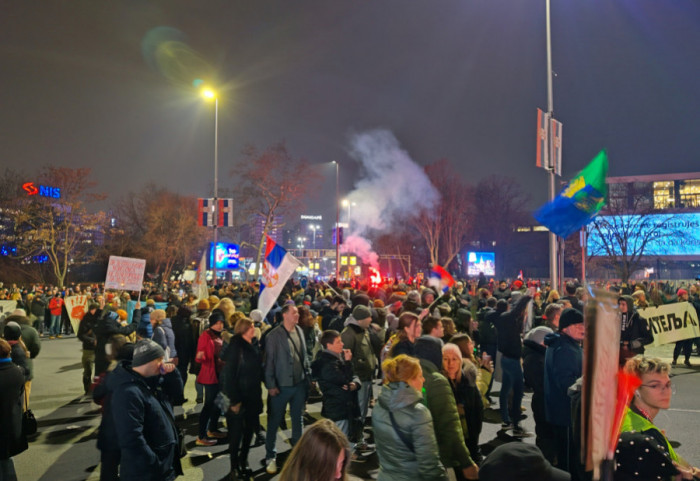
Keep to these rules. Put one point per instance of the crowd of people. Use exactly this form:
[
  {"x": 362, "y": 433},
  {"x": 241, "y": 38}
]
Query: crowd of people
[{"x": 435, "y": 355}]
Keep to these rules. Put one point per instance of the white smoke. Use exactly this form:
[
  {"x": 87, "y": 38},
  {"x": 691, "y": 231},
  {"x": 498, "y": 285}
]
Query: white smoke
[{"x": 393, "y": 189}]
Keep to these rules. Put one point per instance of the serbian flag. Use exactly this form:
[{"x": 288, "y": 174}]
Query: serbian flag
[
  {"x": 225, "y": 212},
  {"x": 278, "y": 266},
  {"x": 205, "y": 212},
  {"x": 440, "y": 279}
]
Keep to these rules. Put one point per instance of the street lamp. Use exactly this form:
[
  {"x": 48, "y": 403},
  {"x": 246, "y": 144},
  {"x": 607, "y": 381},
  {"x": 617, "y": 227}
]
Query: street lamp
[
  {"x": 314, "y": 228},
  {"x": 337, "y": 223},
  {"x": 209, "y": 94}
]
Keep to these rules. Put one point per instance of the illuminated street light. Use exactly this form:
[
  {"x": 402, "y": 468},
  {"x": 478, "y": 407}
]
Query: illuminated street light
[{"x": 209, "y": 94}]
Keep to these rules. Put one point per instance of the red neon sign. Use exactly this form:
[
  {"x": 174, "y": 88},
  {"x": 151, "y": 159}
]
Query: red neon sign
[{"x": 30, "y": 188}]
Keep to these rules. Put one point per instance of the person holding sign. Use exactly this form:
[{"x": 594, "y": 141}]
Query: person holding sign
[{"x": 653, "y": 395}]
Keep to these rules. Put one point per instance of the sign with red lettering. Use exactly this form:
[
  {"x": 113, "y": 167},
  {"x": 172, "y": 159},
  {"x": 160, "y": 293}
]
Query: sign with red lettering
[{"x": 125, "y": 273}]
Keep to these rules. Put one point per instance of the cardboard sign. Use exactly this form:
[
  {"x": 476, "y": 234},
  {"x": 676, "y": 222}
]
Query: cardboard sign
[
  {"x": 125, "y": 273},
  {"x": 672, "y": 322},
  {"x": 6, "y": 307},
  {"x": 76, "y": 306}
]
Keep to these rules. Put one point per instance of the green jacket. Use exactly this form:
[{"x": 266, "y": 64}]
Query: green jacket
[
  {"x": 396, "y": 461},
  {"x": 634, "y": 422},
  {"x": 357, "y": 339},
  {"x": 443, "y": 407}
]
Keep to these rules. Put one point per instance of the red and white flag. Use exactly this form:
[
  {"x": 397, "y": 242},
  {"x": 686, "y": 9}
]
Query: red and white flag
[
  {"x": 555, "y": 147},
  {"x": 542, "y": 157},
  {"x": 224, "y": 212}
]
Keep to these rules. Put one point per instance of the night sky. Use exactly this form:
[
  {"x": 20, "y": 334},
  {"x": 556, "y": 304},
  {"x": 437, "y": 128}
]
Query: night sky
[{"x": 456, "y": 79}]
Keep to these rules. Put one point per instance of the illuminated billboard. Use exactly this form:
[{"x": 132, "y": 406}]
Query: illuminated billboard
[
  {"x": 653, "y": 235},
  {"x": 224, "y": 257},
  {"x": 481, "y": 262}
]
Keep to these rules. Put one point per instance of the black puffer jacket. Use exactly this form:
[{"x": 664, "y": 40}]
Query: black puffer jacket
[
  {"x": 12, "y": 440},
  {"x": 332, "y": 374}
]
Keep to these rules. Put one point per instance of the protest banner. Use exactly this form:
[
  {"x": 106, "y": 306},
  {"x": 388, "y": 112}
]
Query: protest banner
[
  {"x": 672, "y": 322},
  {"x": 6, "y": 307},
  {"x": 599, "y": 389},
  {"x": 76, "y": 306},
  {"x": 125, "y": 273}
]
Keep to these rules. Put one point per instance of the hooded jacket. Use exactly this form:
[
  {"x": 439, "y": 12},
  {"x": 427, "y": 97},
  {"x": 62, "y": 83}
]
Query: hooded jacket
[
  {"x": 397, "y": 462},
  {"x": 563, "y": 365},
  {"x": 357, "y": 339},
  {"x": 637, "y": 333},
  {"x": 165, "y": 336},
  {"x": 332, "y": 373}
]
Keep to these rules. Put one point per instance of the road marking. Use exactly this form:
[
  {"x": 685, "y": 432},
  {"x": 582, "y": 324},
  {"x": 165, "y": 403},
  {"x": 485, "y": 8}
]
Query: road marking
[{"x": 685, "y": 410}]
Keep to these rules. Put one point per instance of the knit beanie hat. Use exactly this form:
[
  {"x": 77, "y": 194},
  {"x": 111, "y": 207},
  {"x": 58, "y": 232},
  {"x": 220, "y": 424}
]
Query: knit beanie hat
[
  {"x": 361, "y": 312},
  {"x": 537, "y": 334},
  {"x": 146, "y": 351},
  {"x": 256, "y": 315},
  {"x": 12, "y": 331},
  {"x": 123, "y": 316},
  {"x": 570, "y": 316}
]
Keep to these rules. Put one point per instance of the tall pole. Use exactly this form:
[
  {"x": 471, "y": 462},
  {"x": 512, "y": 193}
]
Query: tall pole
[
  {"x": 553, "y": 241},
  {"x": 216, "y": 180},
  {"x": 337, "y": 223}
]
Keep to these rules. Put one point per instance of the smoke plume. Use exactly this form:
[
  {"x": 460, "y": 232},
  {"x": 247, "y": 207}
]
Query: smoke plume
[{"x": 393, "y": 188}]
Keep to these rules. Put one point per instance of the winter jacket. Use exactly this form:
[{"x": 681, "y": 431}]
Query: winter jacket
[
  {"x": 563, "y": 365},
  {"x": 145, "y": 426},
  {"x": 510, "y": 327},
  {"x": 165, "y": 337},
  {"x": 357, "y": 339},
  {"x": 38, "y": 307},
  {"x": 398, "y": 462},
  {"x": 443, "y": 408},
  {"x": 637, "y": 334},
  {"x": 208, "y": 349},
  {"x": 31, "y": 340},
  {"x": 19, "y": 357},
  {"x": 487, "y": 329},
  {"x": 332, "y": 373},
  {"x": 469, "y": 406},
  {"x": 533, "y": 371},
  {"x": 86, "y": 330},
  {"x": 55, "y": 306},
  {"x": 242, "y": 375},
  {"x": 184, "y": 339},
  {"x": 12, "y": 440}
]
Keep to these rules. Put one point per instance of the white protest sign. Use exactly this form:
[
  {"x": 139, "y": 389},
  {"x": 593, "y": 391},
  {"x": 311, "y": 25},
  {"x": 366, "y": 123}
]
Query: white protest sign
[
  {"x": 672, "y": 322},
  {"x": 6, "y": 307},
  {"x": 125, "y": 273},
  {"x": 76, "y": 307}
]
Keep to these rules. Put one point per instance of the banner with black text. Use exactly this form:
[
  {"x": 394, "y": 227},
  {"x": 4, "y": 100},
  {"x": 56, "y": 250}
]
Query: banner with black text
[{"x": 672, "y": 322}]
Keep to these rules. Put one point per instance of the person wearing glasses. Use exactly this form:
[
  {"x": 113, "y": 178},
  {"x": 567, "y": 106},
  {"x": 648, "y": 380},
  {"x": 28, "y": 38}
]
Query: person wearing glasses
[{"x": 653, "y": 395}]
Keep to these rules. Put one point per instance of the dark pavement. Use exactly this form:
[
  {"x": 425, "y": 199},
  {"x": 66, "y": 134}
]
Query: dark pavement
[{"x": 65, "y": 447}]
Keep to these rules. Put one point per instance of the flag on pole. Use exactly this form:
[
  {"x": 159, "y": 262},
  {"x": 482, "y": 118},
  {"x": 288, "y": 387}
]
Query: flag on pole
[
  {"x": 542, "y": 158},
  {"x": 555, "y": 147},
  {"x": 278, "y": 266},
  {"x": 440, "y": 279},
  {"x": 205, "y": 212},
  {"x": 579, "y": 202},
  {"x": 199, "y": 286},
  {"x": 225, "y": 212}
]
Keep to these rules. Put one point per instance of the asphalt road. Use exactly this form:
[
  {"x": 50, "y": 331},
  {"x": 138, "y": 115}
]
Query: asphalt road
[{"x": 65, "y": 447}]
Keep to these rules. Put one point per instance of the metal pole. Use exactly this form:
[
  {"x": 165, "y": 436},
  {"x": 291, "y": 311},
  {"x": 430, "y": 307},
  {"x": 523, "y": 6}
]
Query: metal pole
[
  {"x": 216, "y": 181},
  {"x": 553, "y": 241},
  {"x": 584, "y": 245},
  {"x": 337, "y": 222}
]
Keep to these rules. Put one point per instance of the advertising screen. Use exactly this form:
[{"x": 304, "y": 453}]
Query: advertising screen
[
  {"x": 653, "y": 235},
  {"x": 481, "y": 262},
  {"x": 225, "y": 256}
]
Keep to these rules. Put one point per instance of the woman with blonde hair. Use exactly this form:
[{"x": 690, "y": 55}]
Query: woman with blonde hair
[
  {"x": 553, "y": 296},
  {"x": 653, "y": 395},
  {"x": 403, "y": 426},
  {"x": 321, "y": 454}
]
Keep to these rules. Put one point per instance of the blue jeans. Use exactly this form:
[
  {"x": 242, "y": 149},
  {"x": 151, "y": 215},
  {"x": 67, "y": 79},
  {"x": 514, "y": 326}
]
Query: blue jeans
[
  {"x": 295, "y": 396},
  {"x": 363, "y": 396},
  {"x": 55, "y": 325},
  {"x": 512, "y": 380}
]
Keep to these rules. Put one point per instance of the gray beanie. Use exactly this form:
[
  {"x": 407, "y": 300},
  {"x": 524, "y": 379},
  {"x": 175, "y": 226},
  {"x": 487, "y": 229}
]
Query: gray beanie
[
  {"x": 361, "y": 312},
  {"x": 414, "y": 296},
  {"x": 256, "y": 315},
  {"x": 537, "y": 334},
  {"x": 146, "y": 351}
]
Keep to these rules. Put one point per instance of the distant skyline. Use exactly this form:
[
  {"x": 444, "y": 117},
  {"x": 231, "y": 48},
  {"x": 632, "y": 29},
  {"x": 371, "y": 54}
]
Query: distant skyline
[{"x": 450, "y": 79}]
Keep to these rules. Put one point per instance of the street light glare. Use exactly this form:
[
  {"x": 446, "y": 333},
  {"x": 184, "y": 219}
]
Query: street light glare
[{"x": 208, "y": 93}]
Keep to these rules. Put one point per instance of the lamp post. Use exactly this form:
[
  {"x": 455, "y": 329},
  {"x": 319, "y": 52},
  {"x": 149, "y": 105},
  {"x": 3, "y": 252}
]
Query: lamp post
[
  {"x": 209, "y": 94},
  {"x": 337, "y": 223}
]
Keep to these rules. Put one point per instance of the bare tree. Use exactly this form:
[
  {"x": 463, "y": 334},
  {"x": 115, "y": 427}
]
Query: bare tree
[
  {"x": 270, "y": 184},
  {"x": 446, "y": 227},
  {"x": 629, "y": 230},
  {"x": 60, "y": 227},
  {"x": 161, "y": 227}
]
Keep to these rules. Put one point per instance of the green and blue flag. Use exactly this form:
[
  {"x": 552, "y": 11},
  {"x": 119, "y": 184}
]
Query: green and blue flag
[{"x": 579, "y": 202}]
